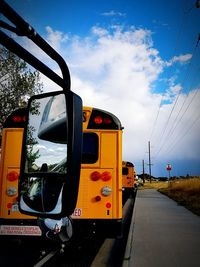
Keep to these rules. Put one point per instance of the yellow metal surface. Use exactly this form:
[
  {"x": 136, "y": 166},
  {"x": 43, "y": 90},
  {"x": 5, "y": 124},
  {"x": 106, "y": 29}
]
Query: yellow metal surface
[
  {"x": 10, "y": 161},
  {"x": 108, "y": 207}
]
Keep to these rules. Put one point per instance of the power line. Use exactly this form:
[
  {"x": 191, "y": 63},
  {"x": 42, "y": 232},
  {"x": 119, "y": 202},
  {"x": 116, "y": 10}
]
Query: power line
[
  {"x": 177, "y": 136},
  {"x": 178, "y": 120},
  {"x": 185, "y": 133},
  {"x": 177, "y": 41},
  {"x": 163, "y": 137}
]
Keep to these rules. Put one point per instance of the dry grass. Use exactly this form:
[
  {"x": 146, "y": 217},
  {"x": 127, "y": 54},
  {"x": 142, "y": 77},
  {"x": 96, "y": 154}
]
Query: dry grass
[
  {"x": 186, "y": 192},
  {"x": 154, "y": 185}
]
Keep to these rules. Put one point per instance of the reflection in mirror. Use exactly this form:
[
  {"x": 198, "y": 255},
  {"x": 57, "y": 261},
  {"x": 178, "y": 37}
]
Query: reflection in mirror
[
  {"x": 47, "y": 134},
  {"x": 42, "y": 195},
  {"x": 46, "y": 156}
]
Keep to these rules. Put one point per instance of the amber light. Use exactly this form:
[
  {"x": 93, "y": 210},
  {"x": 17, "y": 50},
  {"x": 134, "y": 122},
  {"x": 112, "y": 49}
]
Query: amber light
[
  {"x": 106, "y": 176},
  {"x": 12, "y": 176},
  {"x": 95, "y": 176},
  {"x": 98, "y": 120}
]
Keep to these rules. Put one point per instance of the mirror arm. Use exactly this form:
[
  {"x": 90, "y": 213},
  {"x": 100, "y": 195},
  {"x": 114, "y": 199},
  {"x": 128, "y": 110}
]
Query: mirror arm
[{"x": 24, "y": 29}]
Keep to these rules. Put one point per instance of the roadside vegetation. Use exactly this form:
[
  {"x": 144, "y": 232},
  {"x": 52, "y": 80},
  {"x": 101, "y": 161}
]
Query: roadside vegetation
[{"x": 185, "y": 192}]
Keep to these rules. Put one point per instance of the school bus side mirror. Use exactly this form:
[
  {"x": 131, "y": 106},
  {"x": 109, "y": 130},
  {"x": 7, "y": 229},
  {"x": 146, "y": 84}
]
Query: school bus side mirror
[{"x": 51, "y": 155}]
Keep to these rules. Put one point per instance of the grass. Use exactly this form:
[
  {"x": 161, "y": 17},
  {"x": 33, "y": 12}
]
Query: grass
[
  {"x": 154, "y": 185},
  {"x": 185, "y": 192}
]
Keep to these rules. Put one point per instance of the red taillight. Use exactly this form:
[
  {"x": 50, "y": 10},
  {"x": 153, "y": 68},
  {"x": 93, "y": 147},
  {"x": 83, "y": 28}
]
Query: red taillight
[
  {"x": 9, "y": 205},
  {"x": 17, "y": 119},
  {"x": 106, "y": 176},
  {"x": 95, "y": 176},
  {"x": 108, "y": 205},
  {"x": 98, "y": 120},
  {"x": 107, "y": 120},
  {"x": 98, "y": 198},
  {"x": 12, "y": 176}
]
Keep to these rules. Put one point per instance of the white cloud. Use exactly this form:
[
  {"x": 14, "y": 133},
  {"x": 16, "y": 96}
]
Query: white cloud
[
  {"x": 182, "y": 59},
  {"x": 113, "y": 13},
  {"x": 55, "y": 38},
  {"x": 117, "y": 69}
]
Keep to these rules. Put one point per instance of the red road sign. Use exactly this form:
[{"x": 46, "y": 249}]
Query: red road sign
[{"x": 168, "y": 167}]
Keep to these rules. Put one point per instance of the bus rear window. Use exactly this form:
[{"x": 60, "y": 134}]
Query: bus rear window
[
  {"x": 124, "y": 171},
  {"x": 90, "y": 148}
]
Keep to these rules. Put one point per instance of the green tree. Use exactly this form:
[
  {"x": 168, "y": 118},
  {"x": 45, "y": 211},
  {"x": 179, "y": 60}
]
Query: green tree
[{"x": 17, "y": 83}]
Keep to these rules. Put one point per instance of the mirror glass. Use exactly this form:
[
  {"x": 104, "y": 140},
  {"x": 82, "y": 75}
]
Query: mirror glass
[
  {"x": 46, "y": 156},
  {"x": 46, "y": 134}
]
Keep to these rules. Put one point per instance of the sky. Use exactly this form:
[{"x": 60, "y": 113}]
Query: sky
[{"x": 139, "y": 60}]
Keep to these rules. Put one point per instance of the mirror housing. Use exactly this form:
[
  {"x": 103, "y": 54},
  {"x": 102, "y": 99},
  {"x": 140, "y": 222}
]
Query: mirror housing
[{"x": 51, "y": 155}]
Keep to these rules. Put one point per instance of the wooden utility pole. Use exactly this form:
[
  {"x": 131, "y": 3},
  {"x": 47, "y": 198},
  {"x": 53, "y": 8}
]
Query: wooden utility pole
[
  {"x": 149, "y": 146},
  {"x": 143, "y": 171}
]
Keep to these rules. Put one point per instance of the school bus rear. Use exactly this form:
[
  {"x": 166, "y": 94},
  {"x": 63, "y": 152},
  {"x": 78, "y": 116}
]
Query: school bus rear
[{"x": 99, "y": 202}]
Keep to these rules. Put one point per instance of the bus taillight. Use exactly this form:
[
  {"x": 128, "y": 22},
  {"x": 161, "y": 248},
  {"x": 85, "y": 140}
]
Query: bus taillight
[
  {"x": 108, "y": 205},
  {"x": 98, "y": 198},
  {"x": 98, "y": 120},
  {"x": 106, "y": 176},
  {"x": 9, "y": 205},
  {"x": 17, "y": 119},
  {"x": 95, "y": 176},
  {"x": 12, "y": 176},
  {"x": 107, "y": 120}
]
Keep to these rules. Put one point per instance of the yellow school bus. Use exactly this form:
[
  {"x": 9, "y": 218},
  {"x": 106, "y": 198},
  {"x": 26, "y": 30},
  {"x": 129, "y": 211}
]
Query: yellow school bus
[
  {"x": 12, "y": 222},
  {"x": 99, "y": 205},
  {"x": 128, "y": 179}
]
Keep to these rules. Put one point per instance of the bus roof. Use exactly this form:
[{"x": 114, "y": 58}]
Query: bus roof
[{"x": 101, "y": 119}]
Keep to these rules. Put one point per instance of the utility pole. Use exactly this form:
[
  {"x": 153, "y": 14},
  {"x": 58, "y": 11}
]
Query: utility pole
[
  {"x": 149, "y": 146},
  {"x": 143, "y": 171}
]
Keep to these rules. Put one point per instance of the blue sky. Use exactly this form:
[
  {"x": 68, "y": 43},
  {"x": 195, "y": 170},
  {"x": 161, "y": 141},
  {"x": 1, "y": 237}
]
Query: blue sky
[{"x": 138, "y": 60}]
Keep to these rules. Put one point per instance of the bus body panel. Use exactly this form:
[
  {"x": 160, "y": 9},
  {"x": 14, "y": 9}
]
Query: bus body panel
[
  {"x": 91, "y": 203},
  {"x": 12, "y": 222},
  {"x": 10, "y": 164}
]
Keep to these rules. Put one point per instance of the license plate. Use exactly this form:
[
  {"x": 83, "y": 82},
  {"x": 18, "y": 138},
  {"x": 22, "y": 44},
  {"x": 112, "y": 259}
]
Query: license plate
[{"x": 22, "y": 230}]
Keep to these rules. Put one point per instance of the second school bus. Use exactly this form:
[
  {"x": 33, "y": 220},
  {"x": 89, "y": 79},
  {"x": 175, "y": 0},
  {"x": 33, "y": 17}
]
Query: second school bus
[{"x": 128, "y": 179}]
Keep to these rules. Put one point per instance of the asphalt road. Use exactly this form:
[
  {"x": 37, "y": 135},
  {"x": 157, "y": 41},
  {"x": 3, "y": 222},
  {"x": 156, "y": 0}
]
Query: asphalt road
[{"x": 162, "y": 234}]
